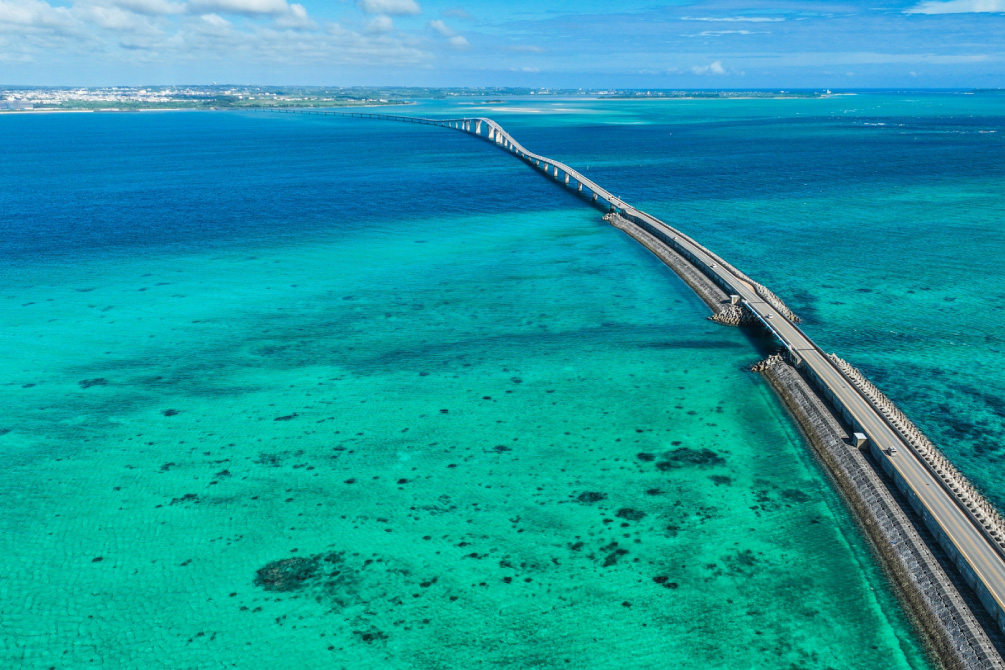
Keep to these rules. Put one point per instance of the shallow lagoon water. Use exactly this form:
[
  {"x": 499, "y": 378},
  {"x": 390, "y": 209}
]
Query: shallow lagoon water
[{"x": 287, "y": 392}]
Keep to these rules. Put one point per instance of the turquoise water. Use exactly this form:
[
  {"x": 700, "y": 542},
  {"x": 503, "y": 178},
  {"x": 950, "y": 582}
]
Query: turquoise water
[{"x": 286, "y": 391}]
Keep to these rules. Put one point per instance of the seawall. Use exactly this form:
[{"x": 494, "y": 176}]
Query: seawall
[
  {"x": 955, "y": 625},
  {"x": 723, "y": 311}
]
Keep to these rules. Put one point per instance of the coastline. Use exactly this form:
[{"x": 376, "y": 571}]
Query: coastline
[{"x": 112, "y": 110}]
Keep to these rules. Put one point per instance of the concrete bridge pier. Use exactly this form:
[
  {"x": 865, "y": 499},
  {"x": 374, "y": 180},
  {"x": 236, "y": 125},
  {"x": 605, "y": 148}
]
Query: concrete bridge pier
[
  {"x": 567, "y": 178},
  {"x": 579, "y": 188},
  {"x": 492, "y": 133},
  {"x": 595, "y": 197},
  {"x": 478, "y": 127}
]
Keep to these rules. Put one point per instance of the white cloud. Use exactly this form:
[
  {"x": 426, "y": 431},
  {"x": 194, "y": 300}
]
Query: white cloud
[
  {"x": 712, "y": 68},
  {"x": 380, "y": 24},
  {"x": 442, "y": 28},
  {"x": 113, "y": 18},
  {"x": 296, "y": 19},
  {"x": 458, "y": 42},
  {"x": 34, "y": 14},
  {"x": 957, "y": 7},
  {"x": 99, "y": 33},
  {"x": 151, "y": 7},
  {"x": 733, "y": 19},
  {"x": 392, "y": 7},
  {"x": 214, "y": 23},
  {"x": 249, "y": 7}
]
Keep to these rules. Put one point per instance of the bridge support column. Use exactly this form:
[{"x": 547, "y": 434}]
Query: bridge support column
[
  {"x": 566, "y": 177},
  {"x": 478, "y": 127},
  {"x": 594, "y": 197},
  {"x": 580, "y": 187},
  {"x": 492, "y": 133}
]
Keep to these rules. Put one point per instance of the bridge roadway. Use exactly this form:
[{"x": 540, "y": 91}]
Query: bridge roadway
[{"x": 969, "y": 539}]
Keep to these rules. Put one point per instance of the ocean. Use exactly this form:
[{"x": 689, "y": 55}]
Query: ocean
[{"x": 292, "y": 391}]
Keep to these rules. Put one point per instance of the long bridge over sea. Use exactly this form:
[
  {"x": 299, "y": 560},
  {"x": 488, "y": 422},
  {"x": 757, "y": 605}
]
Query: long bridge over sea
[{"x": 963, "y": 523}]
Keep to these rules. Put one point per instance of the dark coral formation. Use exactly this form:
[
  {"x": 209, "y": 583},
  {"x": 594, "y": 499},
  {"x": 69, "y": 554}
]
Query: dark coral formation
[
  {"x": 288, "y": 574},
  {"x": 685, "y": 457},
  {"x": 631, "y": 514}
]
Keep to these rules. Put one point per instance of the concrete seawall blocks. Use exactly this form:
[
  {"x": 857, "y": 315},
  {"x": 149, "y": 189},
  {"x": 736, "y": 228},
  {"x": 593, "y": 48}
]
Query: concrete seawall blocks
[
  {"x": 978, "y": 507},
  {"x": 762, "y": 291},
  {"x": 949, "y": 613},
  {"x": 711, "y": 294}
]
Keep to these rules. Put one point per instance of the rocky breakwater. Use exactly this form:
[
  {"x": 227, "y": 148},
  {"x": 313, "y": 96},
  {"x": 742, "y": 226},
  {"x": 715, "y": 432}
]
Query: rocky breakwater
[
  {"x": 966, "y": 494},
  {"x": 733, "y": 317},
  {"x": 723, "y": 311},
  {"x": 953, "y": 620}
]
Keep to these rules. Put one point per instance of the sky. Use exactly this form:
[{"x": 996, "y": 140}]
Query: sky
[{"x": 719, "y": 44}]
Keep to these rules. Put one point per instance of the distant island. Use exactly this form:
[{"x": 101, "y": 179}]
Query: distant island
[
  {"x": 135, "y": 98},
  {"x": 219, "y": 97},
  {"x": 222, "y": 97}
]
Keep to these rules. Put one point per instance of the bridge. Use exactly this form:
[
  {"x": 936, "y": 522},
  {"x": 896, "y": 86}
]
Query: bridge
[{"x": 959, "y": 522}]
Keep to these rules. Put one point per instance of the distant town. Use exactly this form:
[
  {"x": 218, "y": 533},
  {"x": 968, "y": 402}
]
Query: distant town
[
  {"x": 135, "y": 98},
  {"x": 128, "y": 98}
]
